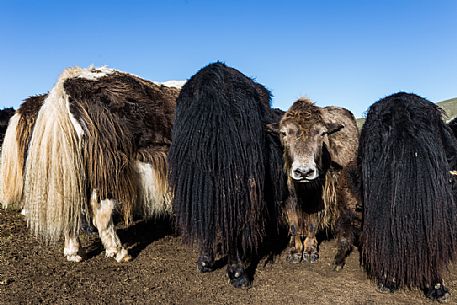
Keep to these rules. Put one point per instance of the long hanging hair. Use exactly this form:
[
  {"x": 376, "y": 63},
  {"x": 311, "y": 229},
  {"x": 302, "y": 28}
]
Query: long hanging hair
[
  {"x": 11, "y": 167},
  {"x": 221, "y": 159},
  {"x": 14, "y": 151},
  {"x": 54, "y": 186},
  {"x": 405, "y": 157}
]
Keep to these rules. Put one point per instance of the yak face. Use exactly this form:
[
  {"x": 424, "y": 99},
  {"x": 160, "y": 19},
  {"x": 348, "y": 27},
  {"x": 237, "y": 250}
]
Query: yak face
[{"x": 306, "y": 148}]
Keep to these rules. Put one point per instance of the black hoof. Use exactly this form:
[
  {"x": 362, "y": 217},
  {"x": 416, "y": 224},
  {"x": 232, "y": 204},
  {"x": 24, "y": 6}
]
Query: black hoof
[
  {"x": 310, "y": 257},
  {"x": 238, "y": 277},
  {"x": 339, "y": 263},
  {"x": 386, "y": 288},
  {"x": 338, "y": 267},
  {"x": 314, "y": 257},
  {"x": 438, "y": 293},
  {"x": 205, "y": 264},
  {"x": 86, "y": 227}
]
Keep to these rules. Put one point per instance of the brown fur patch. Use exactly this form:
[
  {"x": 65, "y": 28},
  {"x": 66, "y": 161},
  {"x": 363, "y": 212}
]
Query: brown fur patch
[{"x": 303, "y": 113}]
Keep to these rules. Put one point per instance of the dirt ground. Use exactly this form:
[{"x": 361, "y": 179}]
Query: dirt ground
[{"x": 164, "y": 272}]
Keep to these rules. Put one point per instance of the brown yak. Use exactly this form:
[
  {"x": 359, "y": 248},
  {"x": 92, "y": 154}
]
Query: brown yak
[
  {"x": 96, "y": 144},
  {"x": 320, "y": 148}
]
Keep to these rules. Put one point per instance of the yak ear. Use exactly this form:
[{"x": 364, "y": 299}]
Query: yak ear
[
  {"x": 273, "y": 128},
  {"x": 334, "y": 153},
  {"x": 333, "y": 127}
]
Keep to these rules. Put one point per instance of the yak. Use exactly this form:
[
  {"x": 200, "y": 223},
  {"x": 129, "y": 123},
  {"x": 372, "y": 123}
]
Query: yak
[
  {"x": 96, "y": 143},
  {"x": 5, "y": 115},
  {"x": 226, "y": 169},
  {"x": 406, "y": 158},
  {"x": 320, "y": 149}
]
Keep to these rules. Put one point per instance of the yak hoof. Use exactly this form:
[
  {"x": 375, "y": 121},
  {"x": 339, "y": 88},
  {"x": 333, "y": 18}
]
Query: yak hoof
[
  {"x": 238, "y": 277},
  {"x": 123, "y": 256},
  {"x": 294, "y": 257},
  {"x": 205, "y": 264},
  {"x": 338, "y": 264},
  {"x": 438, "y": 293},
  {"x": 87, "y": 227},
  {"x": 74, "y": 258},
  {"x": 314, "y": 257},
  {"x": 311, "y": 257},
  {"x": 111, "y": 252},
  {"x": 120, "y": 255},
  {"x": 386, "y": 288}
]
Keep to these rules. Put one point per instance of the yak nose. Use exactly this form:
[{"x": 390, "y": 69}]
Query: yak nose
[{"x": 304, "y": 172}]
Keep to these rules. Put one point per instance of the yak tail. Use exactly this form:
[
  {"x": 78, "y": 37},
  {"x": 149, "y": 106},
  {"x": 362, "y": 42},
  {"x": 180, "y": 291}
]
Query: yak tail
[
  {"x": 154, "y": 194},
  {"x": 54, "y": 180},
  {"x": 11, "y": 167}
]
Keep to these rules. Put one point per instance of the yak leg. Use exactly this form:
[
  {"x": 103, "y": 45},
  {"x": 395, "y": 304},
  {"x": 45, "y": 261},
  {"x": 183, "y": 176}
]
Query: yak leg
[
  {"x": 310, "y": 253},
  {"x": 205, "y": 261},
  {"x": 104, "y": 223},
  {"x": 345, "y": 240},
  {"x": 71, "y": 248},
  {"x": 295, "y": 250},
  {"x": 236, "y": 271}
]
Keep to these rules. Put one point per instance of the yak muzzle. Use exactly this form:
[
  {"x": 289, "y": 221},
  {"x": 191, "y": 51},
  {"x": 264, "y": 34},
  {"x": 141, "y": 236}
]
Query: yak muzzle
[{"x": 304, "y": 173}]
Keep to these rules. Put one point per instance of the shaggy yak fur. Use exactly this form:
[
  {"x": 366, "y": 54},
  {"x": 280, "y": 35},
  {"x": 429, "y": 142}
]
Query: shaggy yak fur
[
  {"x": 406, "y": 156},
  {"x": 320, "y": 149},
  {"x": 14, "y": 149},
  {"x": 453, "y": 125},
  {"x": 5, "y": 115},
  {"x": 97, "y": 142},
  {"x": 226, "y": 168}
]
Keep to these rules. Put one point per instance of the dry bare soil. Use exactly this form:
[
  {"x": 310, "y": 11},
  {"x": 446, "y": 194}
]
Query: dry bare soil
[{"x": 164, "y": 272}]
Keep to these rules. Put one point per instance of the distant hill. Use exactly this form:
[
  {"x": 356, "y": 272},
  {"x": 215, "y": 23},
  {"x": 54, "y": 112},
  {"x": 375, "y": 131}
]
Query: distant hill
[
  {"x": 360, "y": 122},
  {"x": 449, "y": 106}
]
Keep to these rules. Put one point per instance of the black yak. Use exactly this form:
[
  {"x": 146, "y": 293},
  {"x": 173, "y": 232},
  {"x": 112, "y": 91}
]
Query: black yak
[
  {"x": 225, "y": 168},
  {"x": 405, "y": 157},
  {"x": 96, "y": 143},
  {"x": 5, "y": 115},
  {"x": 320, "y": 149}
]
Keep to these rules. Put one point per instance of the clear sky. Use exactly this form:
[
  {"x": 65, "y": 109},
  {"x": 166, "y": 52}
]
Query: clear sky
[{"x": 341, "y": 52}]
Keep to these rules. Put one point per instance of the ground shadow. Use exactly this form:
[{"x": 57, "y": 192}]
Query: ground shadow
[
  {"x": 272, "y": 248},
  {"x": 135, "y": 237}
]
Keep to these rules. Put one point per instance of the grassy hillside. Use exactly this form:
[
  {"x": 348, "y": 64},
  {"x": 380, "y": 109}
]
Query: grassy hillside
[
  {"x": 360, "y": 122},
  {"x": 449, "y": 106}
]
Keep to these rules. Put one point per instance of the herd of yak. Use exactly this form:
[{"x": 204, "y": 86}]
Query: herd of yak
[{"x": 235, "y": 172}]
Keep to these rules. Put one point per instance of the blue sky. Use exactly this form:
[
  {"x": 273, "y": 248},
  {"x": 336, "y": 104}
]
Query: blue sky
[{"x": 341, "y": 52}]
